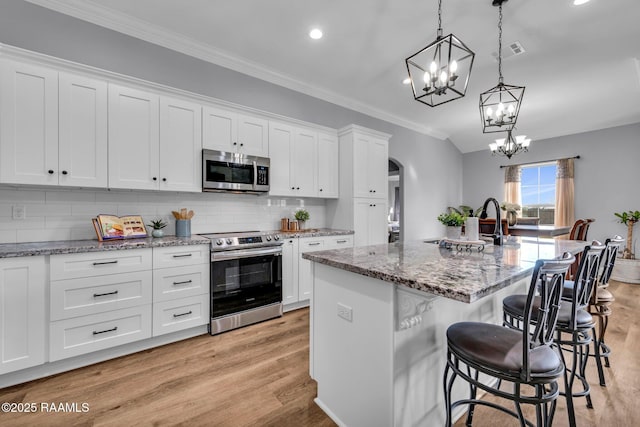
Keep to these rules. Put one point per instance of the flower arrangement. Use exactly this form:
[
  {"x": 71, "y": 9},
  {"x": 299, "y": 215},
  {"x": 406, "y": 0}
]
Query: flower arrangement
[
  {"x": 510, "y": 207},
  {"x": 629, "y": 218},
  {"x": 451, "y": 219}
]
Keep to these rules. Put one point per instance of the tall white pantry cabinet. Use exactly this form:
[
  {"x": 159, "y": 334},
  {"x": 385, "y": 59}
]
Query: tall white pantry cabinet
[{"x": 362, "y": 207}]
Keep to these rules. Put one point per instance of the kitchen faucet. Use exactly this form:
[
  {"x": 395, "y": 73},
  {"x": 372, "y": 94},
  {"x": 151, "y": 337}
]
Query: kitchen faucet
[{"x": 497, "y": 232}]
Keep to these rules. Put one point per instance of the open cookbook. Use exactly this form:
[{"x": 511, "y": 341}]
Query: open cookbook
[{"x": 119, "y": 227}]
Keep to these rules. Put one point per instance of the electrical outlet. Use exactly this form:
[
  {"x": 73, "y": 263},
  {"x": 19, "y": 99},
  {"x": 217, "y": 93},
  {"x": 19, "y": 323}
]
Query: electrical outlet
[
  {"x": 345, "y": 312},
  {"x": 19, "y": 212}
]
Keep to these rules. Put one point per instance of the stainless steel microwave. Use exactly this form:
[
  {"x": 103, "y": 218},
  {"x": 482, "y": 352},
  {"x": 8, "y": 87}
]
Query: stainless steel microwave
[{"x": 234, "y": 172}]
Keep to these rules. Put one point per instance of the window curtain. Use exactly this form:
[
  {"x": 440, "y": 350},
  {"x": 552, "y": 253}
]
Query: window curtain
[
  {"x": 512, "y": 178},
  {"x": 565, "y": 198}
]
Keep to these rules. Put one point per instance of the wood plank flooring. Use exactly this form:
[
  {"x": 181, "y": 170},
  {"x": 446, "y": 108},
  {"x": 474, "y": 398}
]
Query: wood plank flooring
[{"x": 258, "y": 376}]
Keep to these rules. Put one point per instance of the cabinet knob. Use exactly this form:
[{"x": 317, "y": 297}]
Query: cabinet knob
[
  {"x": 321, "y": 189},
  {"x": 164, "y": 179},
  {"x": 50, "y": 171},
  {"x": 155, "y": 179},
  {"x": 235, "y": 143},
  {"x": 374, "y": 191},
  {"x": 64, "y": 172},
  {"x": 293, "y": 188},
  {"x": 297, "y": 188},
  {"x": 242, "y": 144}
]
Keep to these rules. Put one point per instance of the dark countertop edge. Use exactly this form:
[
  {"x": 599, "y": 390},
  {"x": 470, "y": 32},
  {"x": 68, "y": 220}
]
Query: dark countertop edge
[
  {"x": 16, "y": 250},
  {"x": 317, "y": 232},
  {"x": 419, "y": 287}
]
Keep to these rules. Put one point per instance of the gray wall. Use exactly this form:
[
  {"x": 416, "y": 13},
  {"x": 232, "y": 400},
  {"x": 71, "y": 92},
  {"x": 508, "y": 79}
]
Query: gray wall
[
  {"x": 606, "y": 175},
  {"x": 433, "y": 179}
]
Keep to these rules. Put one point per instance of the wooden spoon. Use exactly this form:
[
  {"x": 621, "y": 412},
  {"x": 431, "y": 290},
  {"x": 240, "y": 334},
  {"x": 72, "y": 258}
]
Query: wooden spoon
[
  {"x": 183, "y": 213},
  {"x": 176, "y": 215},
  {"x": 190, "y": 215}
]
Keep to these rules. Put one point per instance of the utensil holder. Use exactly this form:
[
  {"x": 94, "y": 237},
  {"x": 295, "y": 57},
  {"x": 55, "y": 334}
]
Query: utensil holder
[{"x": 183, "y": 228}]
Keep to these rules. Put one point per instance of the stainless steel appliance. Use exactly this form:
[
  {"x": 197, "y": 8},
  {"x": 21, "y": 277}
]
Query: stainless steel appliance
[
  {"x": 234, "y": 172},
  {"x": 246, "y": 279}
]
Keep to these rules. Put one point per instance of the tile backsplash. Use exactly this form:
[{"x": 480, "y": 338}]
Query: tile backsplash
[{"x": 65, "y": 214}]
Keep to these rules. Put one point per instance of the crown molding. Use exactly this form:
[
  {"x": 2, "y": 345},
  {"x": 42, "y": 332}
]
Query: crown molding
[{"x": 99, "y": 15}]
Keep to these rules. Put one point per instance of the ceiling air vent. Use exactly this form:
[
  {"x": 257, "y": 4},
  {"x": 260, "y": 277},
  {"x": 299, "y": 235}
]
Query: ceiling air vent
[{"x": 509, "y": 50}]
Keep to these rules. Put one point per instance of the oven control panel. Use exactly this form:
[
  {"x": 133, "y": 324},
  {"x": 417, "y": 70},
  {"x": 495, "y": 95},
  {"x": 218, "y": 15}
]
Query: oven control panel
[
  {"x": 250, "y": 240},
  {"x": 223, "y": 243}
]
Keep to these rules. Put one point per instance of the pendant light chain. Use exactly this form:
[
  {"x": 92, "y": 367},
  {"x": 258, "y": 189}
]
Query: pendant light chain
[
  {"x": 500, "y": 79},
  {"x": 439, "y": 15}
]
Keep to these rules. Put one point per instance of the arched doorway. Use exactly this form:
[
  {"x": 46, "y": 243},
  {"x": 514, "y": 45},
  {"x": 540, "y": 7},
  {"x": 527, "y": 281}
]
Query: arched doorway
[{"x": 395, "y": 192}]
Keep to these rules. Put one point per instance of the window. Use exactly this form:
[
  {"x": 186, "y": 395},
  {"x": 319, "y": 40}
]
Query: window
[{"x": 538, "y": 189}]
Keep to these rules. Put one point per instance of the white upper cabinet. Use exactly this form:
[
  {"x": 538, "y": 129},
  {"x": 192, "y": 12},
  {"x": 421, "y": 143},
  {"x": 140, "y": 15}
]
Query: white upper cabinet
[
  {"x": 180, "y": 145},
  {"x": 328, "y": 165},
  {"x": 230, "y": 131},
  {"x": 134, "y": 151},
  {"x": 83, "y": 131},
  {"x": 281, "y": 138},
  {"x": 29, "y": 124},
  {"x": 305, "y": 147},
  {"x": 154, "y": 141},
  {"x": 370, "y": 163}
]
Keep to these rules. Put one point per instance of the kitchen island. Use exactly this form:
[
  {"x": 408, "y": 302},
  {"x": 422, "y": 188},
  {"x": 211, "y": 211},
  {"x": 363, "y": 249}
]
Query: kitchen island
[{"x": 379, "y": 316}]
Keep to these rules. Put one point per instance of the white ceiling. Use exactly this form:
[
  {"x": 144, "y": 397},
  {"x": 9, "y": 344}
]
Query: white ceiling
[{"x": 580, "y": 68}]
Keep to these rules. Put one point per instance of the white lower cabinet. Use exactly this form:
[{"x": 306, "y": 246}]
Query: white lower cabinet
[
  {"x": 85, "y": 334},
  {"x": 23, "y": 322},
  {"x": 180, "y": 288},
  {"x": 370, "y": 223},
  {"x": 296, "y": 271},
  {"x": 179, "y": 314}
]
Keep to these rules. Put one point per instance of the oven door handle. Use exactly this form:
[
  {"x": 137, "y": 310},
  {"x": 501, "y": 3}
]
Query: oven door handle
[{"x": 245, "y": 253}]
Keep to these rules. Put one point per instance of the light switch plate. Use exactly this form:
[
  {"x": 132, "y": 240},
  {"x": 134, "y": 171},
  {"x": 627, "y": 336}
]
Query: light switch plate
[
  {"x": 345, "y": 312},
  {"x": 19, "y": 212}
]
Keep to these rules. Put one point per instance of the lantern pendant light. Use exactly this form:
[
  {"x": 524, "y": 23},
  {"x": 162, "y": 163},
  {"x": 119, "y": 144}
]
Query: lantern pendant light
[
  {"x": 500, "y": 106},
  {"x": 440, "y": 72}
]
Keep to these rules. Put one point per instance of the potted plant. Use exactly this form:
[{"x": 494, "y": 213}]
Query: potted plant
[
  {"x": 453, "y": 220},
  {"x": 302, "y": 215},
  {"x": 157, "y": 225},
  {"x": 627, "y": 267}
]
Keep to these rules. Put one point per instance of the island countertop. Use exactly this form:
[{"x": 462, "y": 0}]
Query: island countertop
[{"x": 460, "y": 275}]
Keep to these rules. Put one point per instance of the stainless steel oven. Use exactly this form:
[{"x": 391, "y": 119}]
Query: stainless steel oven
[
  {"x": 234, "y": 172},
  {"x": 246, "y": 279}
]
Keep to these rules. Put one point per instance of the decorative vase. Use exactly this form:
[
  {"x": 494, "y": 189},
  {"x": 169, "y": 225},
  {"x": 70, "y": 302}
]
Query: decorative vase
[
  {"x": 301, "y": 225},
  {"x": 454, "y": 232},
  {"x": 512, "y": 217},
  {"x": 157, "y": 233}
]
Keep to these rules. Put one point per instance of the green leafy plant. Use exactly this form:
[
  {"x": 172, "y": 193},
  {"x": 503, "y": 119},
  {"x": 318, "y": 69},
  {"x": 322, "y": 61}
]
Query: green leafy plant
[
  {"x": 628, "y": 218},
  {"x": 451, "y": 219},
  {"x": 157, "y": 224},
  {"x": 302, "y": 215}
]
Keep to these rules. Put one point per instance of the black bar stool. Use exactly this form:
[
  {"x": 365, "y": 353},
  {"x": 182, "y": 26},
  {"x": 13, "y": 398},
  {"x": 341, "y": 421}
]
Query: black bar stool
[
  {"x": 601, "y": 302},
  {"x": 514, "y": 357},
  {"x": 574, "y": 327}
]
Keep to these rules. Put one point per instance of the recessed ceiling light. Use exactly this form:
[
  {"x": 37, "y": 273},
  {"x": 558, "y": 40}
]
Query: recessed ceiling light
[
  {"x": 579, "y": 2},
  {"x": 406, "y": 81},
  {"x": 315, "y": 33}
]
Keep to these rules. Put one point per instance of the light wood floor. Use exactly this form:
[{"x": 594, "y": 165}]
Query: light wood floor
[{"x": 258, "y": 376}]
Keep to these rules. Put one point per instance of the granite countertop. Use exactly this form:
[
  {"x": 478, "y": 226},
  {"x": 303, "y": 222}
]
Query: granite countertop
[
  {"x": 313, "y": 232},
  {"x": 12, "y": 250},
  {"x": 463, "y": 275}
]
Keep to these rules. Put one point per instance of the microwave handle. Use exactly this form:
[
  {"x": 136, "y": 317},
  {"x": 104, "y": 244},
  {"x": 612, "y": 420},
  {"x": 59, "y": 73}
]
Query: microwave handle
[{"x": 255, "y": 174}]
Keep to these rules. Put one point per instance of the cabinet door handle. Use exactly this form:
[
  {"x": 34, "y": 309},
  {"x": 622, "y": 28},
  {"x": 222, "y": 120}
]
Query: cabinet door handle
[
  {"x": 105, "y": 294},
  {"x": 182, "y": 256},
  {"x": 115, "y": 328},
  {"x": 183, "y": 314},
  {"x": 341, "y": 241},
  {"x": 183, "y": 282},
  {"x": 50, "y": 171},
  {"x": 105, "y": 262},
  {"x": 314, "y": 244}
]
